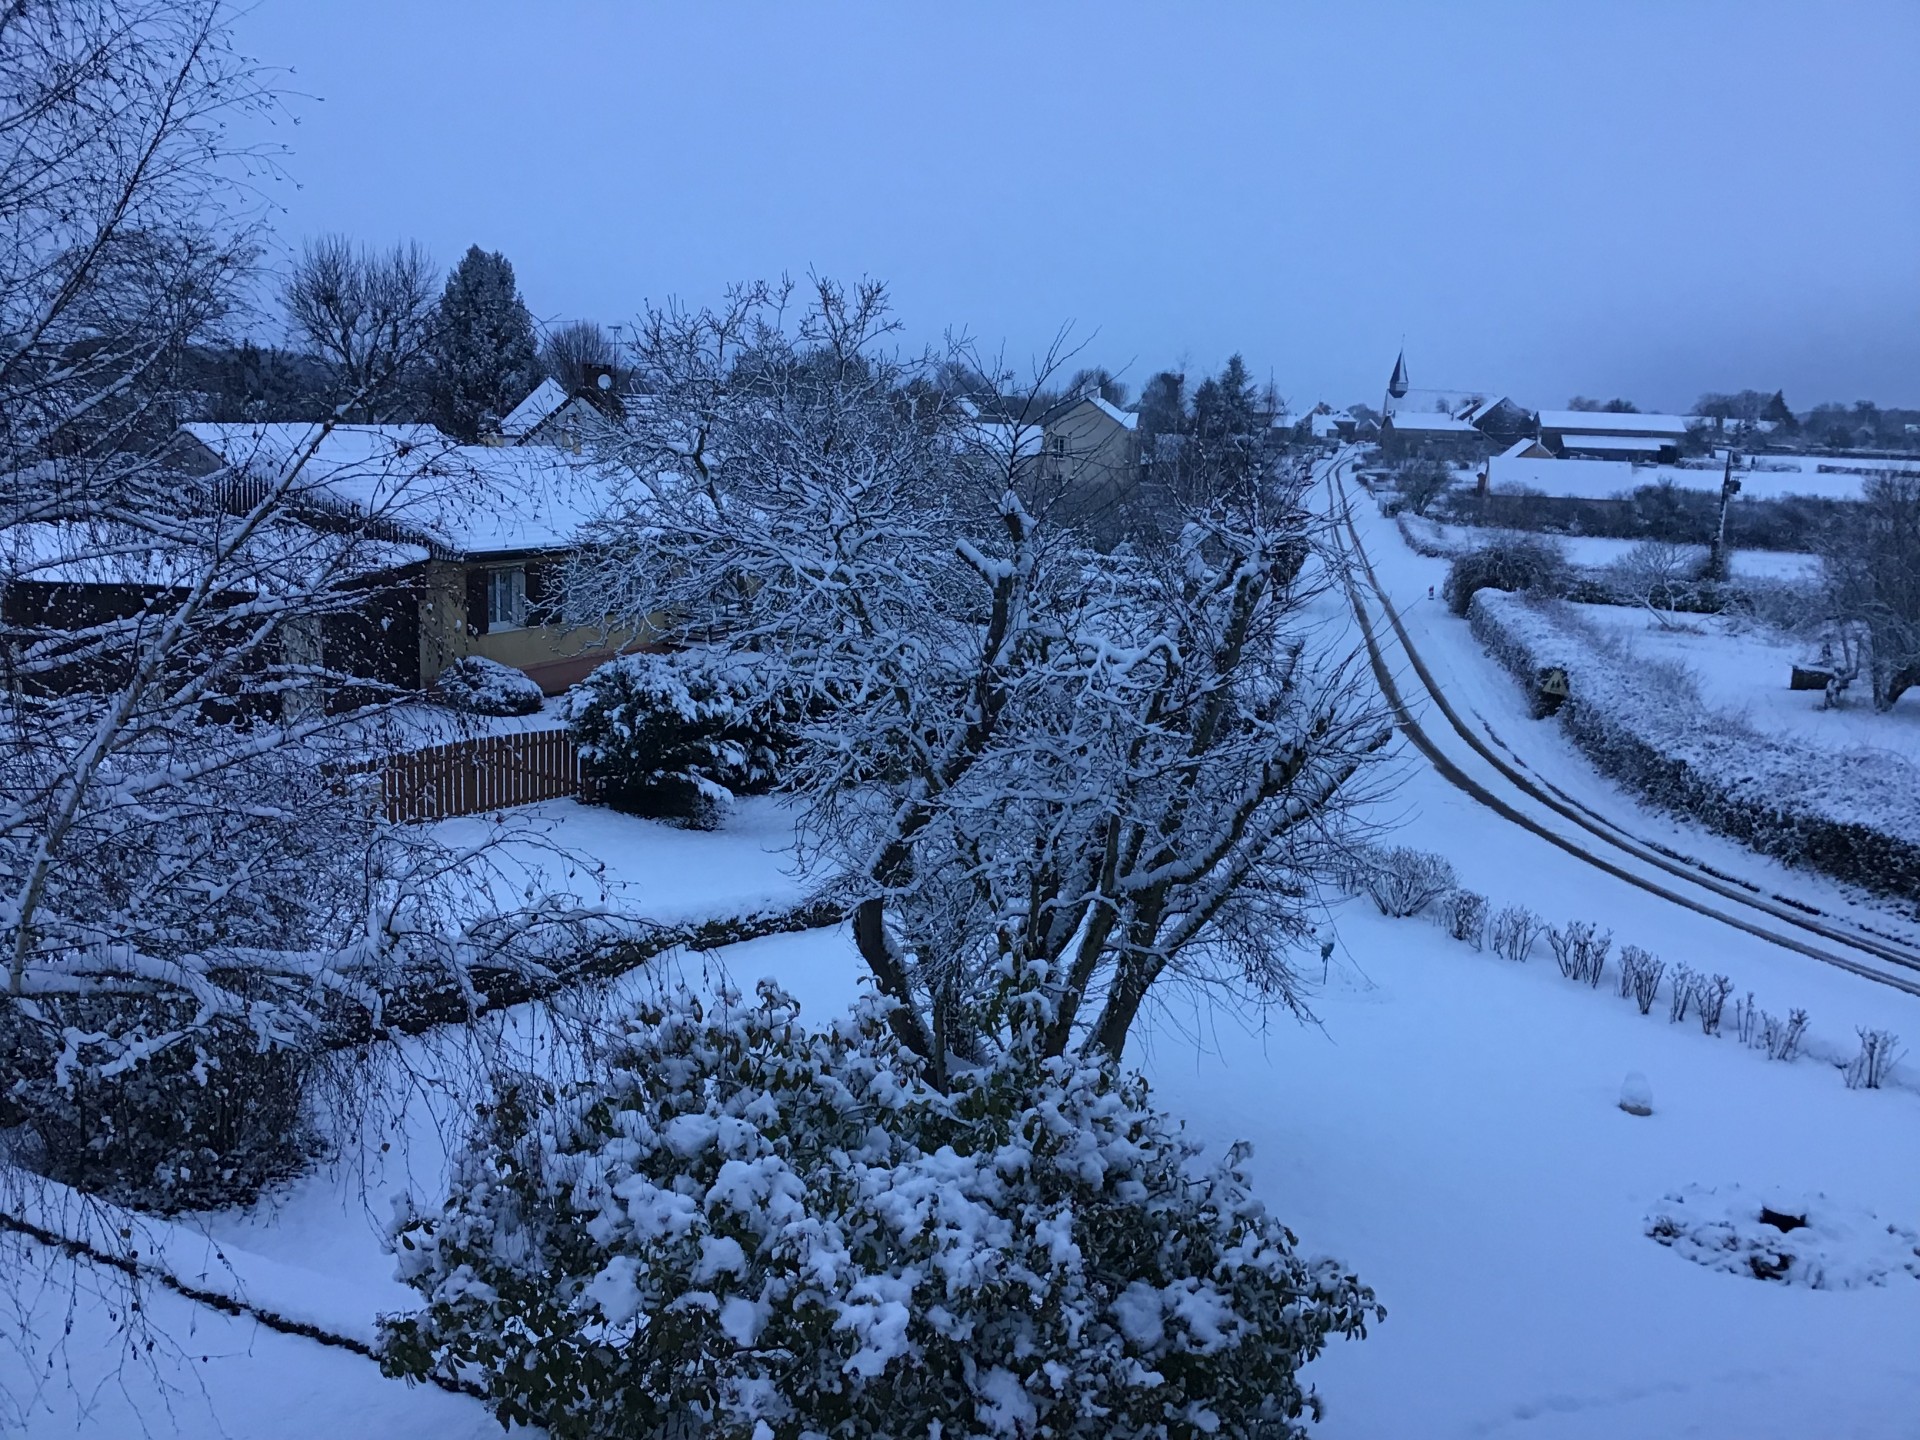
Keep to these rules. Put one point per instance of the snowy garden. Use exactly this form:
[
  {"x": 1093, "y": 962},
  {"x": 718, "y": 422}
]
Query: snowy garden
[{"x": 996, "y": 954}]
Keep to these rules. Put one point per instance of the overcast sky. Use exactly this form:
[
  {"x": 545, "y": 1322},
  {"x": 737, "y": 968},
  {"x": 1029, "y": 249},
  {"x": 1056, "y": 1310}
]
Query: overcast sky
[{"x": 1647, "y": 200}]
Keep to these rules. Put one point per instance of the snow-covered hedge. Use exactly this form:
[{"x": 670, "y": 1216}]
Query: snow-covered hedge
[
  {"x": 1505, "y": 562},
  {"x": 486, "y": 687},
  {"x": 677, "y": 736},
  {"x": 1850, "y": 813},
  {"x": 748, "y": 1229},
  {"x": 194, "y": 1126}
]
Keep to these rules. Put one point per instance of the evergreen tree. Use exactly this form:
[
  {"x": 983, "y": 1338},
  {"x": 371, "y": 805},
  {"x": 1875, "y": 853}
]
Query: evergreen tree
[
  {"x": 1777, "y": 410},
  {"x": 1163, "y": 404},
  {"x": 485, "y": 357},
  {"x": 1227, "y": 404}
]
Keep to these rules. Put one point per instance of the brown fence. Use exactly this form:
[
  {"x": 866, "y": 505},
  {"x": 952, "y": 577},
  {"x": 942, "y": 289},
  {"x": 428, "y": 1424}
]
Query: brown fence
[{"x": 489, "y": 772}]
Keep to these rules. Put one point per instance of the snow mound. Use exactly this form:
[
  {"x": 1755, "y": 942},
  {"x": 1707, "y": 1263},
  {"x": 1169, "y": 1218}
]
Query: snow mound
[{"x": 1813, "y": 1241}]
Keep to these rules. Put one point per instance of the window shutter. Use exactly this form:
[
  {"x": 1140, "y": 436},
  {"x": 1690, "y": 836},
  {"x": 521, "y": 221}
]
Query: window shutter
[{"x": 476, "y": 601}]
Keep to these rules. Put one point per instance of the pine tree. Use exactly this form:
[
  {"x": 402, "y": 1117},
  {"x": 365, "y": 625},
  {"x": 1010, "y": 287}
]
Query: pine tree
[
  {"x": 1163, "y": 404},
  {"x": 485, "y": 357}
]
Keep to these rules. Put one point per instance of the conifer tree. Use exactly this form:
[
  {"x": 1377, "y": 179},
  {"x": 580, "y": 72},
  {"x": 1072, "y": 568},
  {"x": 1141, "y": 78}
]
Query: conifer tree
[{"x": 485, "y": 355}]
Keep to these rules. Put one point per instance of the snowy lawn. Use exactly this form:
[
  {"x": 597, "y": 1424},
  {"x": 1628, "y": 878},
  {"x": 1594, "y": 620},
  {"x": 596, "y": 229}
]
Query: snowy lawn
[
  {"x": 1743, "y": 667},
  {"x": 1770, "y": 478},
  {"x": 653, "y": 870}
]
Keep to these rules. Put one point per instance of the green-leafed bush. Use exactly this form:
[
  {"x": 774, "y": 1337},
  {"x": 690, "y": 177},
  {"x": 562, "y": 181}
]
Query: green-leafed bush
[
  {"x": 678, "y": 736},
  {"x": 749, "y": 1229},
  {"x": 203, "y": 1122},
  {"x": 486, "y": 687}
]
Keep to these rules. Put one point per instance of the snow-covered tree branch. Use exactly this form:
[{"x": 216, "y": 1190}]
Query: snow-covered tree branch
[{"x": 1120, "y": 768}]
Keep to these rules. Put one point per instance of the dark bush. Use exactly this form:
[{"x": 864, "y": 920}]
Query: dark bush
[
  {"x": 1465, "y": 914},
  {"x": 1404, "y": 881},
  {"x": 676, "y": 737},
  {"x": 486, "y": 687},
  {"x": 1512, "y": 562},
  {"x": 205, "y": 1122}
]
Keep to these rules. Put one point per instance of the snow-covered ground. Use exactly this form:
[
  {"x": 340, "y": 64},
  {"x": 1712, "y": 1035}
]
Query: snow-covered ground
[
  {"x": 1769, "y": 477},
  {"x": 1597, "y": 551},
  {"x": 1743, "y": 668},
  {"x": 1449, "y": 1127},
  {"x": 1492, "y": 701}
]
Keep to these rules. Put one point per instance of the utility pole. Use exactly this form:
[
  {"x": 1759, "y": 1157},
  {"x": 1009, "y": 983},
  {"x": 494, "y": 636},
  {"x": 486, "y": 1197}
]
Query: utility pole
[{"x": 1719, "y": 566}]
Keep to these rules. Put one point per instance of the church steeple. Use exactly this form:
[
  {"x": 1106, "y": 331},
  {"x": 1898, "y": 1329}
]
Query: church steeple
[{"x": 1397, "y": 385}]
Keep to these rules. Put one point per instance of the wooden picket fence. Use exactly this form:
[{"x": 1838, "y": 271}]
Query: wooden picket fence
[{"x": 488, "y": 772}]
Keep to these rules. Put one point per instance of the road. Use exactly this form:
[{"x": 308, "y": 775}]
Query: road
[{"x": 1475, "y": 768}]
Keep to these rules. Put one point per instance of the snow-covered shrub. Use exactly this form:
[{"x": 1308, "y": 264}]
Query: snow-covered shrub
[
  {"x": 677, "y": 736},
  {"x": 1510, "y": 562},
  {"x": 1580, "y": 949},
  {"x": 191, "y": 1127},
  {"x": 1404, "y": 881},
  {"x": 1815, "y": 1241},
  {"x": 1779, "y": 1038},
  {"x": 1847, "y": 812},
  {"x": 1681, "y": 994},
  {"x": 486, "y": 687},
  {"x": 1746, "y": 1019},
  {"x": 1465, "y": 915},
  {"x": 1514, "y": 930},
  {"x": 1640, "y": 974},
  {"x": 1879, "y": 1052},
  {"x": 751, "y": 1229},
  {"x": 1710, "y": 994}
]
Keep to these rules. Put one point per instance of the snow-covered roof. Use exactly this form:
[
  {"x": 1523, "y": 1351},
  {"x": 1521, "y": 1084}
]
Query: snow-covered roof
[
  {"x": 1474, "y": 414},
  {"x": 1430, "y": 422},
  {"x": 1609, "y": 422},
  {"x": 1618, "y": 444},
  {"x": 544, "y": 399},
  {"x": 279, "y": 558},
  {"x": 1520, "y": 447},
  {"x": 465, "y": 499},
  {"x": 1126, "y": 418}
]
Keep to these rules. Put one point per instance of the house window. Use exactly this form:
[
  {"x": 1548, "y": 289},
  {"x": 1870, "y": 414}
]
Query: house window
[{"x": 506, "y": 598}]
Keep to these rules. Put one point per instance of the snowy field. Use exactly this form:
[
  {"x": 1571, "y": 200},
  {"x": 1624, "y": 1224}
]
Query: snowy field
[
  {"x": 1769, "y": 478},
  {"x": 1743, "y": 669},
  {"x": 1598, "y": 551}
]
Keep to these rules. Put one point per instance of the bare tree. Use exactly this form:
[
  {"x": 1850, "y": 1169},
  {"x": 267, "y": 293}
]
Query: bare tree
[
  {"x": 1870, "y": 558},
  {"x": 570, "y": 348},
  {"x": 1421, "y": 482},
  {"x": 1108, "y": 773},
  {"x": 370, "y": 316},
  {"x": 1656, "y": 573}
]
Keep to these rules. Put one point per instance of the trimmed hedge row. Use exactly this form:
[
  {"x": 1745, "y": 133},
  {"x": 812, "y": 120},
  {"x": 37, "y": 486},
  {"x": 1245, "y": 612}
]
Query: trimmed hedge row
[{"x": 1847, "y": 813}]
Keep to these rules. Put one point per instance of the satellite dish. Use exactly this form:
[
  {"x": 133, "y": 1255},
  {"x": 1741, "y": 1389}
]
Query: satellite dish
[{"x": 604, "y": 380}]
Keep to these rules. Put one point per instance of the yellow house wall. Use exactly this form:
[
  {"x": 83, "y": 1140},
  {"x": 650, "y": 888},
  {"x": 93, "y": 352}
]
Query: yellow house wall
[{"x": 444, "y": 637}]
